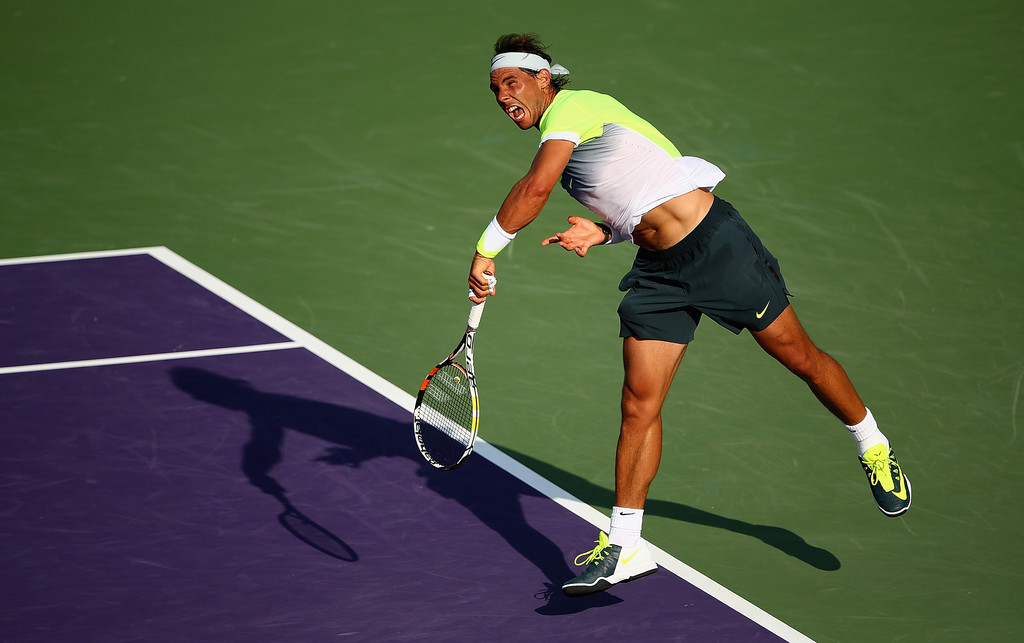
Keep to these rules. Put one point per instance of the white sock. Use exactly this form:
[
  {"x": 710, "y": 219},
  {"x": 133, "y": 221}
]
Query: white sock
[
  {"x": 625, "y": 527},
  {"x": 867, "y": 434}
]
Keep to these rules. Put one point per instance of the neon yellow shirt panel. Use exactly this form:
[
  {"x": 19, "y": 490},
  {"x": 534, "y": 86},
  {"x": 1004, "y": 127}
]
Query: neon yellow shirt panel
[{"x": 580, "y": 116}]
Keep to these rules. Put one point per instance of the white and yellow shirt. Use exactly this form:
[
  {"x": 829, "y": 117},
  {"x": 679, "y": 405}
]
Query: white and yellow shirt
[{"x": 622, "y": 167}]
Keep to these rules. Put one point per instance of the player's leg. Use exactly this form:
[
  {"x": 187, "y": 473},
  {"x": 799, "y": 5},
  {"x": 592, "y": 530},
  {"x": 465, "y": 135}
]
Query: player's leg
[
  {"x": 785, "y": 340},
  {"x": 650, "y": 366}
]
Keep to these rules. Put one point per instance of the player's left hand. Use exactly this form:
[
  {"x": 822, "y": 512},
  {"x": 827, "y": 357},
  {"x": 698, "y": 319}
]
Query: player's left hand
[{"x": 582, "y": 235}]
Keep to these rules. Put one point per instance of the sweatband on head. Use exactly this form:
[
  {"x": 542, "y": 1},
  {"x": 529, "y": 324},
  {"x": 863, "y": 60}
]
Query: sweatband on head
[
  {"x": 533, "y": 62},
  {"x": 493, "y": 240}
]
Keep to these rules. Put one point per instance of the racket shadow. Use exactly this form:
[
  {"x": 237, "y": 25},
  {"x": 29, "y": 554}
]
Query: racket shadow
[
  {"x": 354, "y": 437},
  {"x": 302, "y": 527}
]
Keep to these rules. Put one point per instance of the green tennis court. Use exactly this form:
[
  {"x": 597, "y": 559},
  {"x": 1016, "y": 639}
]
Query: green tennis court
[{"x": 337, "y": 161}]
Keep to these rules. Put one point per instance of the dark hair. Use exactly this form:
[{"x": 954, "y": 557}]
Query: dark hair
[{"x": 528, "y": 43}]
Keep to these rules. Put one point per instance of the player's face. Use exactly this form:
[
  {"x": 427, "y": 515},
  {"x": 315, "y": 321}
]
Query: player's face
[{"x": 521, "y": 96}]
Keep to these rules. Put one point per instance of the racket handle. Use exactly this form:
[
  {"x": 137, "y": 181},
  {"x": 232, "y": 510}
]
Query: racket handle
[{"x": 477, "y": 310}]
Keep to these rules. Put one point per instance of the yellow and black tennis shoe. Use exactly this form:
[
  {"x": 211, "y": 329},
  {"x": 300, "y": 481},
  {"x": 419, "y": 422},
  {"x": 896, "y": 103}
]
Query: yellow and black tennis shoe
[
  {"x": 609, "y": 564},
  {"x": 888, "y": 484}
]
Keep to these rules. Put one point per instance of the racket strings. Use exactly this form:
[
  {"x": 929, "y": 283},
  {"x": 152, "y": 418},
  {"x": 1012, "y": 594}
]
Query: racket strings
[{"x": 448, "y": 414}]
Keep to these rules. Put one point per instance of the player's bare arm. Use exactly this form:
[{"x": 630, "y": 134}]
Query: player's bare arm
[
  {"x": 522, "y": 205},
  {"x": 527, "y": 197}
]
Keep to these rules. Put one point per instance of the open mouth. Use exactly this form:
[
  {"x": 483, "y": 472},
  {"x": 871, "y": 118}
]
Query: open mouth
[{"x": 516, "y": 112}]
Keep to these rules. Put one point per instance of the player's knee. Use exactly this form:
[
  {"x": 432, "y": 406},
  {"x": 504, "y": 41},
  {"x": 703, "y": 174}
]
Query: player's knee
[
  {"x": 809, "y": 365},
  {"x": 638, "y": 411},
  {"x": 800, "y": 365}
]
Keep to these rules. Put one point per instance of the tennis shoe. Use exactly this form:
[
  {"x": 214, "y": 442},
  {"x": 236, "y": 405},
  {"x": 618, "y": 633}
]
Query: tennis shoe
[
  {"x": 609, "y": 564},
  {"x": 888, "y": 484}
]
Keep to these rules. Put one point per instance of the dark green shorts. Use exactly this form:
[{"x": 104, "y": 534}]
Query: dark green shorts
[{"x": 721, "y": 270}]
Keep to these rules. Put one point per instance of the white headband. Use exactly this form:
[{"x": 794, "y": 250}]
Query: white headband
[{"x": 533, "y": 62}]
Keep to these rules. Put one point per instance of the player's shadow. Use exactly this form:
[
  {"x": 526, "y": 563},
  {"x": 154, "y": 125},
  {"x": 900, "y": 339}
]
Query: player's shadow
[
  {"x": 778, "y": 537},
  {"x": 355, "y": 437}
]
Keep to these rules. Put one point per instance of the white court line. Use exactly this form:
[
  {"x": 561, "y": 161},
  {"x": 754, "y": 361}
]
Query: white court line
[
  {"x": 100, "y": 254},
  {"x": 301, "y": 338},
  {"x": 140, "y": 359}
]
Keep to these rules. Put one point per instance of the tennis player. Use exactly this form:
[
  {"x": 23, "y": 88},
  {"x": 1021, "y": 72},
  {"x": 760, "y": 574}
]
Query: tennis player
[{"x": 696, "y": 257}]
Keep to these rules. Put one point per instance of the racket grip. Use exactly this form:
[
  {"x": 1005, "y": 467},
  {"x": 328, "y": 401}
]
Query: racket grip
[{"x": 475, "y": 312}]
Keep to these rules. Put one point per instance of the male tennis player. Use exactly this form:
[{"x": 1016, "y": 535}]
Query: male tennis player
[{"x": 696, "y": 257}]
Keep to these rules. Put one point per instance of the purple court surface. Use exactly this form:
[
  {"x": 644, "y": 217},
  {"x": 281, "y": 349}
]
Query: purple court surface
[{"x": 178, "y": 463}]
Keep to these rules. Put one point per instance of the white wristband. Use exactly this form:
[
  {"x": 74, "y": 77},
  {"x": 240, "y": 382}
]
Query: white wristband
[{"x": 493, "y": 240}]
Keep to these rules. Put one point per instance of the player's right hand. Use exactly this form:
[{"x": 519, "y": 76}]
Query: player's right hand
[{"x": 481, "y": 276}]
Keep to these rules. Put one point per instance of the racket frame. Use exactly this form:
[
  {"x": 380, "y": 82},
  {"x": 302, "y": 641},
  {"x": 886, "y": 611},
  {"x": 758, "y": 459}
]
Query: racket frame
[{"x": 464, "y": 345}]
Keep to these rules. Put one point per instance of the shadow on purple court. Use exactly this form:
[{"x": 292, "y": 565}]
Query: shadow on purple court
[{"x": 358, "y": 437}]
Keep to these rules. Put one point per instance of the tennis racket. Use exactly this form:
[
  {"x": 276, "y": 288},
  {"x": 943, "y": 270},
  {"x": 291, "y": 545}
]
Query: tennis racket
[{"x": 447, "y": 413}]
